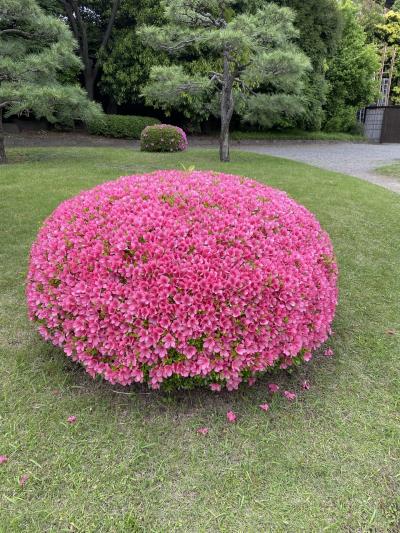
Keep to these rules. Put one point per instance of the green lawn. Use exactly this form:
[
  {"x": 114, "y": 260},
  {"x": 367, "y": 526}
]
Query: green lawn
[
  {"x": 390, "y": 170},
  {"x": 133, "y": 462},
  {"x": 295, "y": 134}
]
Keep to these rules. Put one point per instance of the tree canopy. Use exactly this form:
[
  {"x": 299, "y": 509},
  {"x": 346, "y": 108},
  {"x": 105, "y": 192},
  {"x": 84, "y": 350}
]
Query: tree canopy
[
  {"x": 258, "y": 69},
  {"x": 36, "y": 49}
]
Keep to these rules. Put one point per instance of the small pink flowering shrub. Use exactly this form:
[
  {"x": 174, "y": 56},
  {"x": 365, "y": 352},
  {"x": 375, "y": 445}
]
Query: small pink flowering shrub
[
  {"x": 163, "y": 138},
  {"x": 182, "y": 277}
]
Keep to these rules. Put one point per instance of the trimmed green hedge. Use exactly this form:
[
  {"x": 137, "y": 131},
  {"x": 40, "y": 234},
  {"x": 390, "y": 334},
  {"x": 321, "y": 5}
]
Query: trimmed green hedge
[{"x": 120, "y": 126}]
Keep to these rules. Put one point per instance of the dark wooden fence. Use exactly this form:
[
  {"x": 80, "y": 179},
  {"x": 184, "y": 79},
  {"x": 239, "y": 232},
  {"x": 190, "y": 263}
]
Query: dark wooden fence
[{"x": 382, "y": 124}]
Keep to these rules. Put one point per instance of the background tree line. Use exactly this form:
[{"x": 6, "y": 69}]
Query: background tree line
[{"x": 341, "y": 38}]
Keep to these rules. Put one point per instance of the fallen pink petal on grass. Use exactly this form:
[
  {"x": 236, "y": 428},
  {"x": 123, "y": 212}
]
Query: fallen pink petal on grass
[
  {"x": 251, "y": 381},
  {"x": 307, "y": 356},
  {"x": 328, "y": 352},
  {"x": 203, "y": 431},
  {"x": 273, "y": 387},
  {"x": 305, "y": 385},
  {"x": 231, "y": 417},
  {"x": 264, "y": 406},
  {"x": 23, "y": 479},
  {"x": 216, "y": 387},
  {"x": 289, "y": 395},
  {"x": 71, "y": 419},
  {"x": 3, "y": 459}
]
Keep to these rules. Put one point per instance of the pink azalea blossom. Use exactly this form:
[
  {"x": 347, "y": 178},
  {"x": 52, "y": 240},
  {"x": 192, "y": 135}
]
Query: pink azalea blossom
[
  {"x": 264, "y": 406},
  {"x": 305, "y": 385},
  {"x": 23, "y": 479},
  {"x": 3, "y": 459},
  {"x": 71, "y": 419},
  {"x": 251, "y": 381},
  {"x": 328, "y": 352},
  {"x": 307, "y": 356},
  {"x": 203, "y": 431},
  {"x": 289, "y": 395},
  {"x": 273, "y": 387},
  {"x": 231, "y": 417},
  {"x": 216, "y": 387},
  {"x": 210, "y": 276}
]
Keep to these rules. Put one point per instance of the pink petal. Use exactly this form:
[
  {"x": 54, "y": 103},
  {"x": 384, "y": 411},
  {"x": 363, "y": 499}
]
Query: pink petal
[
  {"x": 264, "y": 406},
  {"x": 289, "y": 395},
  {"x": 23, "y": 479},
  {"x": 307, "y": 356},
  {"x": 273, "y": 387},
  {"x": 328, "y": 352},
  {"x": 71, "y": 419},
  {"x": 3, "y": 459},
  {"x": 216, "y": 387},
  {"x": 251, "y": 381},
  {"x": 230, "y": 415},
  {"x": 203, "y": 431},
  {"x": 305, "y": 385}
]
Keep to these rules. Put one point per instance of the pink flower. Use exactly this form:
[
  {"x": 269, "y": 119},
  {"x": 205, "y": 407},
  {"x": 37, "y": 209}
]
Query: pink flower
[
  {"x": 305, "y": 385},
  {"x": 289, "y": 395},
  {"x": 211, "y": 277},
  {"x": 71, "y": 419},
  {"x": 203, "y": 431},
  {"x": 307, "y": 356},
  {"x": 23, "y": 479},
  {"x": 264, "y": 406},
  {"x": 251, "y": 381},
  {"x": 3, "y": 459},
  {"x": 273, "y": 387},
  {"x": 216, "y": 387},
  {"x": 231, "y": 417},
  {"x": 328, "y": 352}
]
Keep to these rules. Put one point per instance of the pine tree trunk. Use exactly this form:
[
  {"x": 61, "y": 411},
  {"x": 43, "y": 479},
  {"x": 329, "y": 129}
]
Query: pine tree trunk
[
  {"x": 89, "y": 83},
  {"x": 227, "y": 105},
  {"x": 3, "y": 157},
  {"x": 224, "y": 140}
]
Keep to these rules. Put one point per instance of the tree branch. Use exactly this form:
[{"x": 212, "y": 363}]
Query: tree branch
[
  {"x": 204, "y": 18},
  {"x": 177, "y": 46},
  {"x": 84, "y": 40},
  {"x": 5, "y": 104},
  {"x": 107, "y": 33},
  {"x": 244, "y": 86},
  {"x": 216, "y": 76},
  {"x": 15, "y": 31},
  {"x": 73, "y": 23}
]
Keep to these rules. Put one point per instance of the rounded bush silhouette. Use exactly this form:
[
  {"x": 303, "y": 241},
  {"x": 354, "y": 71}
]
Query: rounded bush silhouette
[
  {"x": 182, "y": 278},
  {"x": 163, "y": 138}
]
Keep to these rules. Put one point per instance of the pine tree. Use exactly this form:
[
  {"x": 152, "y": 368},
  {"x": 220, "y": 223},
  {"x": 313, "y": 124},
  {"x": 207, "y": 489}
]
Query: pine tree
[
  {"x": 258, "y": 68},
  {"x": 35, "y": 51}
]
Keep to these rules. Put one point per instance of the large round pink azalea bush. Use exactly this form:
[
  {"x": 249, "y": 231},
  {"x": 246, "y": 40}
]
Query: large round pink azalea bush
[{"x": 182, "y": 277}]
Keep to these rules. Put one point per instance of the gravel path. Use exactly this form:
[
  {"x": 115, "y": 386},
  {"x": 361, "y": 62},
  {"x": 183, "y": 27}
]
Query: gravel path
[{"x": 357, "y": 159}]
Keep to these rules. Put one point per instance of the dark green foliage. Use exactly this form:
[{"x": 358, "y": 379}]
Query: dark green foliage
[
  {"x": 164, "y": 138},
  {"x": 350, "y": 74},
  {"x": 120, "y": 126},
  {"x": 126, "y": 63},
  {"x": 92, "y": 23},
  {"x": 370, "y": 14},
  {"x": 320, "y": 26}
]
